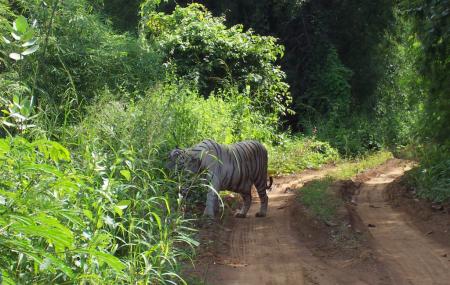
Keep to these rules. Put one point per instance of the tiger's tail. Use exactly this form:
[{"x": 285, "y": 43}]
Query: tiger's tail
[{"x": 269, "y": 187}]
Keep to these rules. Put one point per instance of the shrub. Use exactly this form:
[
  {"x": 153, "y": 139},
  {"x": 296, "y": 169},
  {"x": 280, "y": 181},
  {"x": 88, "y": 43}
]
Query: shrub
[
  {"x": 329, "y": 94},
  {"x": 299, "y": 153},
  {"x": 79, "y": 55},
  {"x": 47, "y": 234},
  {"x": 432, "y": 177},
  {"x": 206, "y": 51},
  {"x": 111, "y": 222},
  {"x": 170, "y": 115}
]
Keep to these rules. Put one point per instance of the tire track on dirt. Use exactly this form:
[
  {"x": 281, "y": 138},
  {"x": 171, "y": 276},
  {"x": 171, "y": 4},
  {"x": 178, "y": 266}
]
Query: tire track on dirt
[
  {"x": 263, "y": 250},
  {"x": 269, "y": 251},
  {"x": 410, "y": 256}
]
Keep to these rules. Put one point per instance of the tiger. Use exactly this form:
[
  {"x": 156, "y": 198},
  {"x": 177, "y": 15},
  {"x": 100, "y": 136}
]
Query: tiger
[{"x": 234, "y": 167}]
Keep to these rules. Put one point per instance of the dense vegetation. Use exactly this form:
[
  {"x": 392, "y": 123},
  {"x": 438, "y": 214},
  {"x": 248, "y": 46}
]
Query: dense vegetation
[
  {"x": 364, "y": 74},
  {"x": 94, "y": 93}
]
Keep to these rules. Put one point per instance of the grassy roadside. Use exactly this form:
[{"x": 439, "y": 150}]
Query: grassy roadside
[
  {"x": 295, "y": 154},
  {"x": 317, "y": 195}
]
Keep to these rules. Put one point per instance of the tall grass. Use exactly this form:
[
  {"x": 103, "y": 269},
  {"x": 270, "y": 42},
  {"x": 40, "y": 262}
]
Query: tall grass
[
  {"x": 105, "y": 223},
  {"x": 431, "y": 178}
]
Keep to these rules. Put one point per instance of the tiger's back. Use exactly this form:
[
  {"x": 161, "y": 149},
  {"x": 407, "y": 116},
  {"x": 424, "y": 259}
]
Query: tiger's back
[{"x": 249, "y": 159}]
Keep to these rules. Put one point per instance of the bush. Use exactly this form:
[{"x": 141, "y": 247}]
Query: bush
[
  {"x": 329, "y": 94},
  {"x": 79, "y": 55},
  {"x": 299, "y": 153},
  {"x": 432, "y": 177},
  {"x": 206, "y": 51},
  {"x": 48, "y": 234},
  {"x": 173, "y": 114},
  {"x": 111, "y": 222}
]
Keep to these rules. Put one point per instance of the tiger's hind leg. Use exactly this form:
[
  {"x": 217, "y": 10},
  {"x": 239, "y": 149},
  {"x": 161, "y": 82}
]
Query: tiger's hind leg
[
  {"x": 247, "y": 197},
  {"x": 264, "y": 200}
]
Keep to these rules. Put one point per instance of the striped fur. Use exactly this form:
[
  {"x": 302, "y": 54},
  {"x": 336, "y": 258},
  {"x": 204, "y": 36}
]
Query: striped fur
[{"x": 233, "y": 167}]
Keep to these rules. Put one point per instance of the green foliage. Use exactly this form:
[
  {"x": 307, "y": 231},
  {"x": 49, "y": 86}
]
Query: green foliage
[
  {"x": 173, "y": 114},
  {"x": 431, "y": 25},
  {"x": 107, "y": 224},
  {"x": 16, "y": 99},
  {"x": 319, "y": 198},
  {"x": 107, "y": 212},
  {"x": 433, "y": 29},
  {"x": 121, "y": 217},
  {"x": 22, "y": 42},
  {"x": 206, "y": 51},
  {"x": 329, "y": 92},
  {"x": 79, "y": 56},
  {"x": 299, "y": 153},
  {"x": 400, "y": 94},
  {"x": 122, "y": 13},
  {"x": 348, "y": 169},
  {"x": 431, "y": 178},
  {"x": 16, "y": 106},
  {"x": 41, "y": 228},
  {"x": 354, "y": 136}
]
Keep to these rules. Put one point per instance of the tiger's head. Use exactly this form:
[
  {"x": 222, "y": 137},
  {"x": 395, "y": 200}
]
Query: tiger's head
[{"x": 183, "y": 159}]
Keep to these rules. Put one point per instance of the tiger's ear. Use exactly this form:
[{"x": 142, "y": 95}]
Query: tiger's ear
[{"x": 175, "y": 153}]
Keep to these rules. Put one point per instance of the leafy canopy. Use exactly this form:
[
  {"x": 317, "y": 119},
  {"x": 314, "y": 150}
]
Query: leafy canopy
[{"x": 204, "y": 49}]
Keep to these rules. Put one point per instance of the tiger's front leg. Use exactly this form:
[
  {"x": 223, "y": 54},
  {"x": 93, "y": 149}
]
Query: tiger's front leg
[
  {"x": 211, "y": 204},
  {"x": 212, "y": 199}
]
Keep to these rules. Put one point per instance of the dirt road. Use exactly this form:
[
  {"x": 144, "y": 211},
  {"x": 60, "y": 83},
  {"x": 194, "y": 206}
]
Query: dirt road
[
  {"x": 411, "y": 257},
  {"x": 269, "y": 250}
]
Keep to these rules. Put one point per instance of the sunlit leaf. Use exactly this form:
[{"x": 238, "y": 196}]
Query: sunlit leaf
[
  {"x": 158, "y": 220},
  {"x": 118, "y": 211},
  {"x": 126, "y": 174},
  {"x": 88, "y": 214},
  {"x": 28, "y": 35},
  {"x": 4, "y": 147},
  {"x": 123, "y": 204},
  {"x": 42, "y": 168},
  {"x": 16, "y": 36},
  {"x": 52, "y": 150},
  {"x": 29, "y": 43},
  {"x": 15, "y": 56},
  {"x": 20, "y": 24},
  {"x": 6, "y": 40},
  {"x": 30, "y": 50}
]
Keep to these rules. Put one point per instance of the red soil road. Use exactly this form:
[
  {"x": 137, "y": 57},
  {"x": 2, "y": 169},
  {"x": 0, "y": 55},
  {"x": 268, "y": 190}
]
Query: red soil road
[
  {"x": 410, "y": 257},
  {"x": 268, "y": 250},
  {"x": 263, "y": 250}
]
